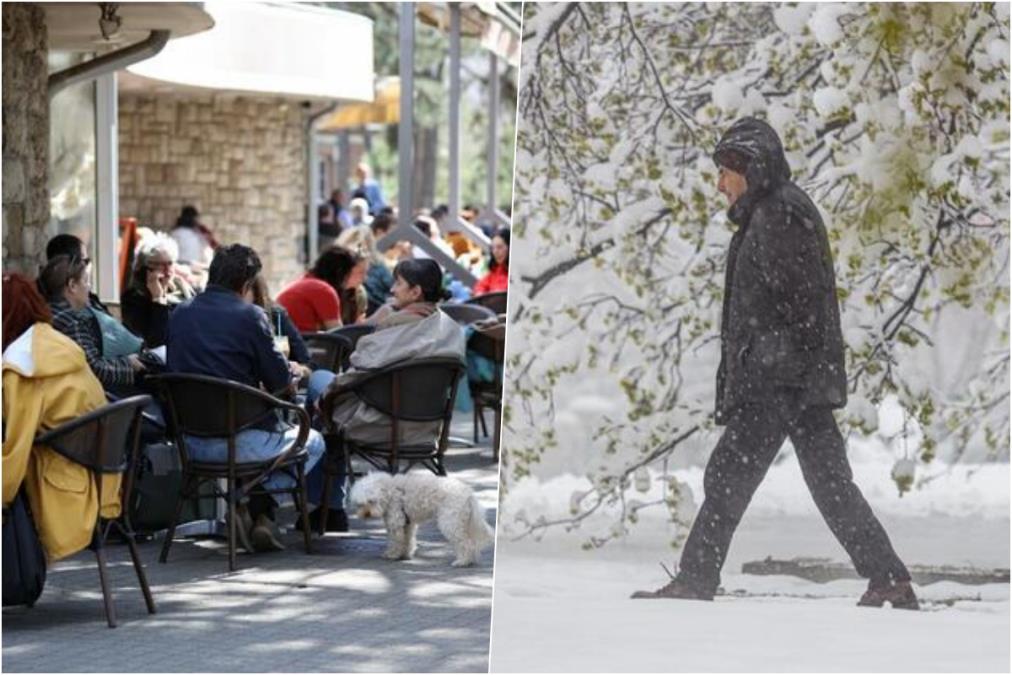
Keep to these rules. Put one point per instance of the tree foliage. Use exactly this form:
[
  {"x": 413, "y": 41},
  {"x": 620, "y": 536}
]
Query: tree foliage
[
  {"x": 431, "y": 72},
  {"x": 895, "y": 119}
]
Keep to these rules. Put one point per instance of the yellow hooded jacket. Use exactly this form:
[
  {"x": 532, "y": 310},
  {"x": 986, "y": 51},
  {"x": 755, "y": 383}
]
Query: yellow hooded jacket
[{"x": 46, "y": 382}]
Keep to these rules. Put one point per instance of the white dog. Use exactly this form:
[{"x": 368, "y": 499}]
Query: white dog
[{"x": 404, "y": 501}]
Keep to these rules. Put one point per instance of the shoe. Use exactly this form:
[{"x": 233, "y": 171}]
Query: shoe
[
  {"x": 900, "y": 595},
  {"x": 676, "y": 589},
  {"x": 337, "y": 521},
  {"x": 243, "y": 524},
  {"x": 263, "y": 535}
]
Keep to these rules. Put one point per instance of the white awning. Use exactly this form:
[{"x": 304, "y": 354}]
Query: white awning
[{"x": 289, "y": 50}]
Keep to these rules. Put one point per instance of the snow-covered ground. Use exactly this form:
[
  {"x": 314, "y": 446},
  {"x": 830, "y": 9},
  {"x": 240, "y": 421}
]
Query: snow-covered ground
[{"x": 558, "y": 608}]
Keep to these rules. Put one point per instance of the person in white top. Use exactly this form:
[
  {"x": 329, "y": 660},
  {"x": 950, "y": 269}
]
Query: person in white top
[
  {"x": 359, "y": 208},
  {"x": 196, "y": 242}
]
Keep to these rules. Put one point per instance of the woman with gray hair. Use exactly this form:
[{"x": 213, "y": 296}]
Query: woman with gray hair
[{"x": 154, "y": 290}]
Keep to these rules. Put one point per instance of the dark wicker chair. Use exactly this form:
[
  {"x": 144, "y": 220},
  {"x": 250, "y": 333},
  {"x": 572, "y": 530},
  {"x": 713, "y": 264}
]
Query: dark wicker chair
[
  {"x": 210, "y": 407},
  {"x": 421, "y": 390},
  {"x": 353, "y": 334},
  {"x": 466, "y": 314},
  {"x": 494, "y": 301},
  {"x": 105, "y": 441},
  {"x": 490, "y": 342},
  {"x": 328, "y": 350}
]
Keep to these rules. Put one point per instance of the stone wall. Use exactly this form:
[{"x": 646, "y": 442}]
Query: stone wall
[
  {"x": 239, "y": 160},
  {"x": 25, "y": 137}
]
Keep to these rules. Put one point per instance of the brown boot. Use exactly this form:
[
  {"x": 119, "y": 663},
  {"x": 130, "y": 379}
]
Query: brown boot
[
  {"x": 243, "y": 524},
  {"x": 676, "y": 589},
  {"x": 900, "y": 595},
  {"x": 263, "y": 537}
]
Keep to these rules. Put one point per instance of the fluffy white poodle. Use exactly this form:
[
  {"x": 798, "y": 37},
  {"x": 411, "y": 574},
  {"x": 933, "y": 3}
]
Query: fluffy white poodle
[{"x": 404, "y": 501}]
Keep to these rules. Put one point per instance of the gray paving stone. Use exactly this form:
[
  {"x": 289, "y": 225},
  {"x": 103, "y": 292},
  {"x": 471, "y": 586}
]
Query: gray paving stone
[{"x": 341, "y": 609}]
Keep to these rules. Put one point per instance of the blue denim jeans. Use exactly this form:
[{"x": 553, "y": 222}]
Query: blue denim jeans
[
  {"x": 256, "y": 445},
  {"x": 317, "y": 384},
  {"x": 315, "y": 387}
]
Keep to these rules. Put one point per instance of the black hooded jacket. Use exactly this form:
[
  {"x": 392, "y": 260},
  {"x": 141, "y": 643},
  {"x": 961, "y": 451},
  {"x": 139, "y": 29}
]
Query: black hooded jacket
[{"x": 780, "y": 324}]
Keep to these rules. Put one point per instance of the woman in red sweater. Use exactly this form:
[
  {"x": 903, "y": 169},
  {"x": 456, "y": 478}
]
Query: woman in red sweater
[
  {"x": 498, "y": 275},
  {"x": 325, "y": 297}
]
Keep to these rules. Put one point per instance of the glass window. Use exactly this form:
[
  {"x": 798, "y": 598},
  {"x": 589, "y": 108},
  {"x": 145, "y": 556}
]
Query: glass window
[{"x": 72, "y": 173}]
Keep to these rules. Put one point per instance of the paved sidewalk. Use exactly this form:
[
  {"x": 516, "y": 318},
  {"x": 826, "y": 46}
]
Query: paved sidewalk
[{"x": 344, "y": 608}]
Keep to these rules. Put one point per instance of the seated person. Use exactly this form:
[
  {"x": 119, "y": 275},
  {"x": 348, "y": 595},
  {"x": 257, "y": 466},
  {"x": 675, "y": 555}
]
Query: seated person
[
  {"x": 196, "y": 241},
  {"x": 341, "y": 215},
  {"x": 465, "y": 251},
  {"x": 428, "y": 227},
  {"x": 280, "y": 323},
  {"x": 46, "y": 382},
  {"x": 327, "y": 226},
  {"x": 73, "y": 247},
  {"x": 359, "y": 208},
  {"x": 315, "y": 301},
  {"x": 498, "y": 277},
  {"x": 418, "y": 287},
  {"x": 375, "y": 288},
  {"x": 222, "y": 334},
  {"x": 482, "y": 369},
  {"x": 67, "y": 286},
  {"x": 411, "y": 327},
  {"x": 297, "y": 352},
  {"x": 155, "y": 289},
  {"x": 381, "y": 226}
]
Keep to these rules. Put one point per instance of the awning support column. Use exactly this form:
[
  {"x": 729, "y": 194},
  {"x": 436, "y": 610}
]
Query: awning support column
[
  {"x": 405, "y": 128},
  {"x": 343, "y": 162},
  {"x": 107, "y": 188},
  {"x": 493, "y": 134},
  {"x": 454, "y": 196}
]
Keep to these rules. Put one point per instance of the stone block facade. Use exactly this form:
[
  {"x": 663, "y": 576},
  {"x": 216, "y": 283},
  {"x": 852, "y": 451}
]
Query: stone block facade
[
  {"x": 240, "y": 160},
  {"x": 25, "y": 137}
]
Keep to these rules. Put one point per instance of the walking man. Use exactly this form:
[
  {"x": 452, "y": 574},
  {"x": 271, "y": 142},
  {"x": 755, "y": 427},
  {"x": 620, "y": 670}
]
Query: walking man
[{"x": 781, "y": 375}]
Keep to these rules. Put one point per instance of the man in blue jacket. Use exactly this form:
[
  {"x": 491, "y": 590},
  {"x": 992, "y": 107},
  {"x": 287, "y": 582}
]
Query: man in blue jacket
[
  {"x": 369, "y": 188},
  {"x": 222, "y": 334}
]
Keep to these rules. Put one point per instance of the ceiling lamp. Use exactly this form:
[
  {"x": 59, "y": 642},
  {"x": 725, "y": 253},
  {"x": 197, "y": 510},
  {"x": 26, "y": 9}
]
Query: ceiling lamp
[{"x": 110, "y": 21}]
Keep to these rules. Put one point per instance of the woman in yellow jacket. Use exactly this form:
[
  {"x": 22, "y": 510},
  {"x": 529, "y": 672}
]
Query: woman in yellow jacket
[{"x": 46, "y": 382}]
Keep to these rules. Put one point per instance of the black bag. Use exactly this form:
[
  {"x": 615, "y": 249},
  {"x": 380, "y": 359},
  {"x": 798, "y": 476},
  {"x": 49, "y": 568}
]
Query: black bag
[
  {"x": 158, "y": 480},
  {"x": 24, "y": 561}
]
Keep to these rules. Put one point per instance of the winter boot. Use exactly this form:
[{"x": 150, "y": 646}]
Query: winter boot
[
  {"x": 676, "y": 589},
  {"x": 900, "y": 595}
]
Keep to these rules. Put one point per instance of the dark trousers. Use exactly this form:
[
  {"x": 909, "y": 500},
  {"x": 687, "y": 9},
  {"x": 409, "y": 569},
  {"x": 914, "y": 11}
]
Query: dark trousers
[{"x": 738, "y": 465}]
